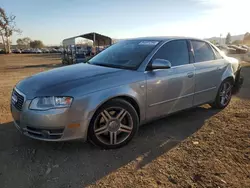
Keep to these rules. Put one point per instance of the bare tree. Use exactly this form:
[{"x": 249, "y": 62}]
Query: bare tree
[{"x": 7, "y": 28}]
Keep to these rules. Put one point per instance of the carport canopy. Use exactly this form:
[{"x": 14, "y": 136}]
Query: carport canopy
[{"x": 98, "y": 39}]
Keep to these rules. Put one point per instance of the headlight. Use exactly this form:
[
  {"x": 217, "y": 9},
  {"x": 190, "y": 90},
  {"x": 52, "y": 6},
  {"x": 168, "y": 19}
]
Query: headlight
[{"x": 45, "y": 103}]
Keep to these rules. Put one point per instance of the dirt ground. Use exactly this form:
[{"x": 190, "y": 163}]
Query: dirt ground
[{"x": 200, "y": 147}]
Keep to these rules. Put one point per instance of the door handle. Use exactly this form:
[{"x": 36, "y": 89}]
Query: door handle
[{"x": 190, "y": 74}]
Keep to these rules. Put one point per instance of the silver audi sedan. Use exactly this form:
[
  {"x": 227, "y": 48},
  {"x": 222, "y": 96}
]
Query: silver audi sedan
[{"x": 106, "y": 99}]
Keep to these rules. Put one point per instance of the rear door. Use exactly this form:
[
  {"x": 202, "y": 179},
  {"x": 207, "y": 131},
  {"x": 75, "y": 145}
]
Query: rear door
[
  {"x": 170, "y": 90},
  {"x": 209, "y": 67}
]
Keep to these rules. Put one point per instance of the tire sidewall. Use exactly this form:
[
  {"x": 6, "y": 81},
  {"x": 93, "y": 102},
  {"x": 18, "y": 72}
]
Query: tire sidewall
[{"x": 114, "y": 103}]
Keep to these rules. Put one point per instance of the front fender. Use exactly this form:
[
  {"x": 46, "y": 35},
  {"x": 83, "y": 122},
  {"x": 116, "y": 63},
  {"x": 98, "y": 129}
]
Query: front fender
[
  {"x": 87, "y": 105},
  {"x": 228, "y": 73},
  {"x": 136, "y": 91}
]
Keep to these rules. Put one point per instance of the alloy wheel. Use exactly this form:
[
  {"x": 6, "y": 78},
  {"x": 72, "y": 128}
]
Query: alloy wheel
[
  {"x": 225, "y": 93},
  {"x": 113, "y": 125}
]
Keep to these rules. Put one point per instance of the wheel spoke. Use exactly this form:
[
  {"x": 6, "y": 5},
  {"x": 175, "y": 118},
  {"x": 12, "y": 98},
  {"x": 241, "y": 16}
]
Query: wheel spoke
[
  {"x": 101, "y": 130},
  {"x": 113, "y": 137},
  {"x": 228, "y": 89},
  {"x": 223, "y": 100},
  {"x": 221, "y": 94},
  {"x": 106, "y": 115},
  {"x": 125, "y": 128},
  {"x": 121, "y": 115},
  {"x": 223, "y": 87}
]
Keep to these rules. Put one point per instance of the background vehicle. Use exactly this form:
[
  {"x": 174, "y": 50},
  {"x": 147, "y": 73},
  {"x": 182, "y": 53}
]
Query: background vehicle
[
  {"x": 227, "y": 50},
  {"x": 26, "y": 51},
  {"x": 128, "y": 84},
  {"x": 36, "y": 51},
  {"x": 2, "y": 51},
  {"x": 245, "y": 46},
  {"x": 238, "y": 49},
  {"x": 45, "y": 50},
  {"x": 53, "y": 50},
  {"x": 16, "y": 51}
]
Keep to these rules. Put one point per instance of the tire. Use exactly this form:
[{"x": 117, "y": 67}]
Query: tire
[
  {"x": 222, "y": 92},
  {"x": 114, "y": 124}
]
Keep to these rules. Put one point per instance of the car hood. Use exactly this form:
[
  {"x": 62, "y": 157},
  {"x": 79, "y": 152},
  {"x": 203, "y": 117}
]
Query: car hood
[{"x": 61, "y": 80}]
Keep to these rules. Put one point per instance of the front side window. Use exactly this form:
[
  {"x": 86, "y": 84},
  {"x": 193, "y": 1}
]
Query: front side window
[
  {"x": 202, "y": 51},
  {"x": 176, "y": 52},
  {"x": 127, "y": 54}
]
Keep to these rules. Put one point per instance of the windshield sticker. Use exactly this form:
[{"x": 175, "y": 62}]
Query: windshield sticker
[{"x": 151, "y": 43}]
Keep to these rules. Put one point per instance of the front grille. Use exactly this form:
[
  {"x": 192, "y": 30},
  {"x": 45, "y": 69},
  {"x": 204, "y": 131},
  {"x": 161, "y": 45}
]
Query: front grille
[
  {"x": 17, "y": 99},
  {"x": 44, "y": 133}
]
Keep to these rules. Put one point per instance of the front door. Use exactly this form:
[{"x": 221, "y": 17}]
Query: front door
[{"x": 170, "y": 90}]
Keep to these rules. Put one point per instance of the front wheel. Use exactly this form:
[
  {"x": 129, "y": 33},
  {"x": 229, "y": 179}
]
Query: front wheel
[
  {"x": 114, "y": 124},
  {"x": 224, "y": 95}
]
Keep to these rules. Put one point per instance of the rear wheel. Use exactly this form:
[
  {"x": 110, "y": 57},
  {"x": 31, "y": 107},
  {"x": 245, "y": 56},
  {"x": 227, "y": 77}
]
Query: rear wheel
[
  {"x": 114, "y": 124},
  {"x": 224, "y": 95}
]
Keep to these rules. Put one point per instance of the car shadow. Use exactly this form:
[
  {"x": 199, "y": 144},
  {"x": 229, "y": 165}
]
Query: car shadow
[{"x": 33, "y": 163}]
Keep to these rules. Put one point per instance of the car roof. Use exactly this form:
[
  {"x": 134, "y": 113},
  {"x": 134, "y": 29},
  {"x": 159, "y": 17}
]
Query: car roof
[{"x": 163, "y": 38}]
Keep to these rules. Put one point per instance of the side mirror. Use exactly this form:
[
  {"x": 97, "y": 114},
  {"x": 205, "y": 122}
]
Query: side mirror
[{"x": 160, "y": 64}]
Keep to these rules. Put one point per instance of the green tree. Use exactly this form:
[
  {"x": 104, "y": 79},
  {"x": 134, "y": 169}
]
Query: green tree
[
  {"x": 24, "y": 42},
  {"x": 19, "y": 42},
  {"x": 214, "y": 42},
  {"x": 7, "y": 28},
  {"x": 36, "y": 44},
  {"x": 237, "y": 42},
  {"x": 228, "y": 38}
]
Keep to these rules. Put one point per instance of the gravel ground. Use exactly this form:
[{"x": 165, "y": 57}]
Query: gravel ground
[{"x": 200, "y": 147}]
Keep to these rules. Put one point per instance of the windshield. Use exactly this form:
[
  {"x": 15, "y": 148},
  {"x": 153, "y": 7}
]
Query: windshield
[{"x": 127, "y": 54}]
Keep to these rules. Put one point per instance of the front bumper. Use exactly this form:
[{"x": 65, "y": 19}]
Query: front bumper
[{"x": 49, "y": 125}]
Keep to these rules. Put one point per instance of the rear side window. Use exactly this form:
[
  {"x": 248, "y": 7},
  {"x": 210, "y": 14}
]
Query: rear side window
[
  {"x": 217, "y": 54},
  {"x": 202, "y": 51},
  {"x": 174, "y": 51}
]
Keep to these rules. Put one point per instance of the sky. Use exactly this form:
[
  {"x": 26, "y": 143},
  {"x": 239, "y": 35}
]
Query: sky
[{"x": 54, "y": 20}]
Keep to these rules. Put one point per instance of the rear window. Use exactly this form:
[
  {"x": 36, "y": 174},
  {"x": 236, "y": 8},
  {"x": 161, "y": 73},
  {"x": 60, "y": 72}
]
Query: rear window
[
  {"x": 202, "y": 51},
  {"x": 217, "y": 53}
]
